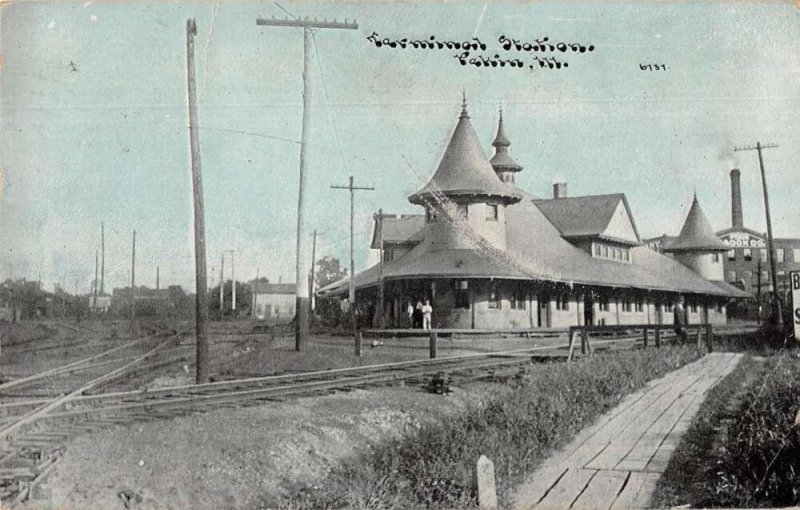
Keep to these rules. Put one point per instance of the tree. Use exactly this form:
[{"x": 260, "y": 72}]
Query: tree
[{"x": 329, "y": 270}]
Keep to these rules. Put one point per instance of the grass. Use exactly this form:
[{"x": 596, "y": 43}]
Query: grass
[
  {"x": 679, "y": 483},
  {"x": 517, "y": 430},
  {"x": 743, "y": 448}
]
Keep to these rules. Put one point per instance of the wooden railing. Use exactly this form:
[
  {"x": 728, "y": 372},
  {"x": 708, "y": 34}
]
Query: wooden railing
[{"x": 701, "y": 331}]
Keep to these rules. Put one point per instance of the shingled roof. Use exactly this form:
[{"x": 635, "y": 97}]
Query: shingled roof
[
  {"x": 537, "y": 251},
  {"x": 586, "y": 216},
  {"x": 399, "y": 229},
  {"x": 464, "y": 170},
  {"x": 696, "y": 234}
]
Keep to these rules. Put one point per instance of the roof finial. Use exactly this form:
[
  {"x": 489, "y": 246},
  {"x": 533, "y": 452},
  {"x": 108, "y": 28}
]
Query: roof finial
[{"x": 464, "y": 113}]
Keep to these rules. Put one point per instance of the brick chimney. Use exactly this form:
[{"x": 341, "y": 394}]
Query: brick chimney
[
  {"x": 560, "y": 190},
  {"x": 736, "y": 200}
]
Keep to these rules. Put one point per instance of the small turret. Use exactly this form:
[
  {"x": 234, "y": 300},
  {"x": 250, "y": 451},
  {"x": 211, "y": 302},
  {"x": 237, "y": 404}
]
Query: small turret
[
  {"x": 504, "y": 166},
  {"x": 697, "y": 247}
]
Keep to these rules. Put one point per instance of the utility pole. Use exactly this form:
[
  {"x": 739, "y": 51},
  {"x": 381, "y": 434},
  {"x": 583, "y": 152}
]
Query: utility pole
[
  {"x": 379, "y": 226},
  {"x": 158, "y": 278},
  {"x": 776, "y": 305},
  {"x": 352, "y": 290},
  {"x": 94, "y": 286},
  {"x": 200, "y": 278},
  {"x": 103, "y": 257},
  {"x": 221, "y": 287},
  {"x": 311, "y": 286},
  {"x": 758, "y": 290},
  {"x": 301, "y": 288},
  {"x": 233, "y": 279},
  {"x": 133, "y": 281}
]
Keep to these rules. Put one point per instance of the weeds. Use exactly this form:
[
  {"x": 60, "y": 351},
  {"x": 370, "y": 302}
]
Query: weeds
[{"x": 518, "y": 430}]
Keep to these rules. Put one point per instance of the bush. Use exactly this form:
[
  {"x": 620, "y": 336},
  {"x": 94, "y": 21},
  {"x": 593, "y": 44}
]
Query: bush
[
  {"x": 518, "y": 430},
  {"x": 758, "y": 461}
]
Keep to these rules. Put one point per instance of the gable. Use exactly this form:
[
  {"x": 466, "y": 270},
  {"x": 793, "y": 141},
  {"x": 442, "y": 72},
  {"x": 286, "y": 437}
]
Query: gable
[{"x": 620, "y": 225}]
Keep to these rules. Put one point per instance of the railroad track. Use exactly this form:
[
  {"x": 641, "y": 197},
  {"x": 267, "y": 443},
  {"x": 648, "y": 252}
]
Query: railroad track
[{"x": 33, "y": 431}]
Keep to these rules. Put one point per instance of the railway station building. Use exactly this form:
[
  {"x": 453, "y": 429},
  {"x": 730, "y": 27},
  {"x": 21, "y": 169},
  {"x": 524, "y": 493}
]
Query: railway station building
[{"x": 489, "y": 255}]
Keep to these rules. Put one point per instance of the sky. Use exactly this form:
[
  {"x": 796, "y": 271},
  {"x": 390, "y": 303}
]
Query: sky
[{"x": 94, "y": 123}]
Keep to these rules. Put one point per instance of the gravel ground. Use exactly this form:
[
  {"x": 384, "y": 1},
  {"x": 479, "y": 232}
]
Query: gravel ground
[{"x": 244, "y": 458}]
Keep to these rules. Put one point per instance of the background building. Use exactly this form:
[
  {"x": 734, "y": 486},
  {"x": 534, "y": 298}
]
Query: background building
[{"x": 273, "y": 302}]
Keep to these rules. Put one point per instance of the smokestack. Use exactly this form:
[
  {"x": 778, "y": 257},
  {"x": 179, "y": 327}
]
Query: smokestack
[
  {"x": 560, "y": 190},
  {"x": 736, "y": 200}
]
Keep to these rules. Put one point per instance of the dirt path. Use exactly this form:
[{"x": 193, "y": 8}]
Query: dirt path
[
  {"x": 241, "y": 458},
  {"x": 616, "y": 462}
]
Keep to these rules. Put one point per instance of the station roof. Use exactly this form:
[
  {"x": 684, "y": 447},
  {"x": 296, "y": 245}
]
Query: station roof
[
  {"x": 587, "y": 216},
  {"x": 464, "y": 171},
  {"x": 537, "y": 251},
  {"x": 399, "y": 229},
  {"x": 696, "y": 234}
]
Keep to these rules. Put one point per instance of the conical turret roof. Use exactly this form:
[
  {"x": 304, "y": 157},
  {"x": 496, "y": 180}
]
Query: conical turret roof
[
  {"x": 502, "y": 161},
  {"x": 697, "y": 234},
  {"x": 464, "y": 170}
]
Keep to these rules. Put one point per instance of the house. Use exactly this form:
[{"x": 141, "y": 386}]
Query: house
[
  {"x": 488, "y": 254},
  {"x": 274, "y": 302}
]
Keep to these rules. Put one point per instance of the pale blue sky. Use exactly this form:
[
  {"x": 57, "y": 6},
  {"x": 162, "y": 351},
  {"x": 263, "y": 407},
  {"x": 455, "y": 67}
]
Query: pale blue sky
[{"x": 109, "y": 139}]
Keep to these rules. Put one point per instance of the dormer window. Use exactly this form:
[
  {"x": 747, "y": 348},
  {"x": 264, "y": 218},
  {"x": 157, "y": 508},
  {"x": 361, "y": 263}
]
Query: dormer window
[{"x": 492, "y": 213}]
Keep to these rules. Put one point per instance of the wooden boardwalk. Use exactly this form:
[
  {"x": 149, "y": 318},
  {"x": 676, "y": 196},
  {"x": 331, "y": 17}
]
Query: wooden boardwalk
[{"x": 616, "y": 462}]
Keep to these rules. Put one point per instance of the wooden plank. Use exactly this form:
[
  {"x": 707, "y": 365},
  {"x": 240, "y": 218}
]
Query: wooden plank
[
  {"x": 602, "y": 490},
  {"x": 637, "y": 491},
  {"x": 567, "y": 489}
]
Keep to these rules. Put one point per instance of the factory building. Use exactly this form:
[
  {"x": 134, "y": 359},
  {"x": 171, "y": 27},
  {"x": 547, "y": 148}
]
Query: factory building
[
  {"x": 745, "y": 262},
  {"x": 487, "y": 254}
]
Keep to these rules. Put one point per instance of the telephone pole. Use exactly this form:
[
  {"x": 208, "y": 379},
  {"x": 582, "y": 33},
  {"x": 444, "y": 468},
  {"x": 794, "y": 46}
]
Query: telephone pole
[
  {"x": 94, "y": 285},
  {"x": 133, "y": 281},
  {"x": 776, "y": 305},
  {"x": 352, "y": 290},
  {"x": 233, "y": 278},
  {"x": 102, "y": 257},
  {"x": 379, "y": 226},
  {"x": 221, "y": 287},
  {"x": 200, "y": 278},
  {"x": 301, "y": 288},
  {"x": 311, "y": 286}
]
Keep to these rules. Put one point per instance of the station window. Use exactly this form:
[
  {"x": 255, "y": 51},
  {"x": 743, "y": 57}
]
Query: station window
[
  {"x": 731, "y": 276},
  {"x": 388, "y": 255},
  {"x": 494, "y": 296},
  {"x": 731, "y": 254},
  {"x": 781, "y": 273},
  {"x": 747, "y": 254},
  {"x": 764, "y": 276},
  {"x": 716, "y": 257},
  {"x": 492, "y": 213},
  {"x": 747, "y": 275},
  {"x": 693, "y": 308},
  {"x": 597, "y": 250},
  {"x": 627, "y": 255},
  {"x": 762, "y": 253},
  {"x": 639, "y": 305},
  {"x": 719, "y": 306},
  {"x": 518, "y": 297},
  {"x": 779, "y": 255},
  {"x": 603, "y": 305},
  {"x": 796, "y": 254},
  {"x": 626, "y": 305},
  {"x": 669, "y": 307},
  {"x": 605, "y": 251},
  {"x": 462, "y": 212},
  {"x": 562, "y": 303}
]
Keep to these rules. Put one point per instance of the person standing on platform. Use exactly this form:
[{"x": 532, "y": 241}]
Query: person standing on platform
[
  {"x": 410, "y": 312},
  {"x": 679, "y": 321},
  {"x": 418, "y": 315},
  {"x": 427, "y": 313}
]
